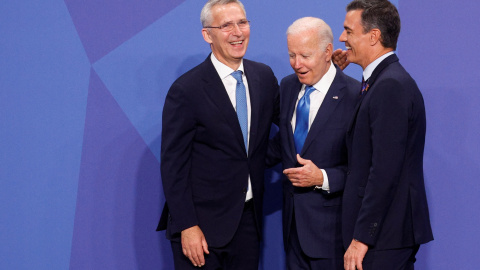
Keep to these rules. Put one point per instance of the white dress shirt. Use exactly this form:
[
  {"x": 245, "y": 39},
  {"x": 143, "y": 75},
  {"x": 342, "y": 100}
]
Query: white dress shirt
[
  {"x": 230, "y": 84},
  {"x": 316, "y": 99}
]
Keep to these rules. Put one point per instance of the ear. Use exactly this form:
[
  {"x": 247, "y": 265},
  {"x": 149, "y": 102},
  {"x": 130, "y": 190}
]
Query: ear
[
  {"x": 329, "y": 52},
  {"x": 375, "y": 36},
  {"x": 206, "y": 35}
]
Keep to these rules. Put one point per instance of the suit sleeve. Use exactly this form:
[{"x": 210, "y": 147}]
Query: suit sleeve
[
  {"x": 178, "y": 130},
  {"x": 388, "y": 117},
  {"x": 336, "y": 178},
  {"x": 274, "y": 154}
]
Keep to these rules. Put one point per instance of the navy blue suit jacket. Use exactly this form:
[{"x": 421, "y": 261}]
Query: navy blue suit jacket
[
  {"x": 384, "y": 202},
  {"x": 317, "y": 213},
  {"x": 204, "y": 164}
]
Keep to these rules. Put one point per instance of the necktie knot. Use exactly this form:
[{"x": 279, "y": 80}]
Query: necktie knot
[
  {"x": 309, "y": 90},
  {"x": 237, "y": 75}
]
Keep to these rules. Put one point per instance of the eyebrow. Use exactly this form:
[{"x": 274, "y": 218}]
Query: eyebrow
[{"x": 231, "y": 21}]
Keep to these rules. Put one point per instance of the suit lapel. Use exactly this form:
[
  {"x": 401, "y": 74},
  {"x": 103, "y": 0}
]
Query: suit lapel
[
  {"x": 216, "y": 91},
  {"x": 333, "y": 97},
  {"x": 294, "y": 90},
  {"x": 255, "y": 101},
  {"x": 371, "y": 81}
]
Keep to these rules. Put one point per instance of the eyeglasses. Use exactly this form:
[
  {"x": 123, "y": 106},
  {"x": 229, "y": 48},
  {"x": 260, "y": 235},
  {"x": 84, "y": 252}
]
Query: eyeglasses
[{"x": 229, "y": 26}]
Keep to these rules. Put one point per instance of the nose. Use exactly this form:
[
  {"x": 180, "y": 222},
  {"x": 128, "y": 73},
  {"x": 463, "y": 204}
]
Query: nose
[
  {"x": 297, "y": 63},
  {"x": 236, "y": 30},
  {"x": 343, "y": 36}
]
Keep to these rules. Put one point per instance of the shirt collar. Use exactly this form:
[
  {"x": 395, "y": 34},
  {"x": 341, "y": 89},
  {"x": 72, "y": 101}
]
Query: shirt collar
[
  {"x": 222, "y": 69},
  {"x": 324, "y": 83},
  {"x": 370, "y": 68}
]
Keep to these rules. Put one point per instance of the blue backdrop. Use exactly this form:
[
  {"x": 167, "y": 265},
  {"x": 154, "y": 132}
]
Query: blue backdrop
[{"x": 82, "y": 86}]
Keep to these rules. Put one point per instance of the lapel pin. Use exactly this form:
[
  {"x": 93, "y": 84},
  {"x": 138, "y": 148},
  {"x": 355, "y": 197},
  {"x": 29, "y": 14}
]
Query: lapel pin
[{"x": 335, "y": 97}]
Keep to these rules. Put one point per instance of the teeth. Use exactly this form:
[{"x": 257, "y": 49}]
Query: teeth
[
  {"x": 348, "y": 48},
  {"x": 236, "y": 42}
]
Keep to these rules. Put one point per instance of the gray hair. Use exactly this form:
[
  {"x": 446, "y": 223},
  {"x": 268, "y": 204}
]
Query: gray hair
[
  {"x": 324, "y": 32},
  {"x": 206, "y": 14}
]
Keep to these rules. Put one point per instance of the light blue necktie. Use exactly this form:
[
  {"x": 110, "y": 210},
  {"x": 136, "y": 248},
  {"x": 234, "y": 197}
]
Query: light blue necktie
[
  {"x": 301, "y": 122},
  {"x": 241, "y": 104}
]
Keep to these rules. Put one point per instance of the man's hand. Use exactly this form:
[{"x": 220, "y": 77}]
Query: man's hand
[
  {"x": 354, "y": 255},
  {"x": 339, "y": 58},
  {"x": 308, "y": 175},
  {"x": 194, "y": 245}
]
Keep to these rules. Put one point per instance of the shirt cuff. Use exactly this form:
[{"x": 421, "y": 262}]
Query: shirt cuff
[{"x": 325, "y": 185}]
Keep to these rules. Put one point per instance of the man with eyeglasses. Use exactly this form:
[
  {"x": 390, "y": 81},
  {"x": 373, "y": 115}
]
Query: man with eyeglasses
[{"x": 215, "y": 128}]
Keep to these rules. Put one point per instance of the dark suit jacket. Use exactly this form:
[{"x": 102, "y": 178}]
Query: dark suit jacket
[
  {"x": 317, "y": 213},
  {"x": 384, "y": 202},
  {"x": 204, "y": 165}
]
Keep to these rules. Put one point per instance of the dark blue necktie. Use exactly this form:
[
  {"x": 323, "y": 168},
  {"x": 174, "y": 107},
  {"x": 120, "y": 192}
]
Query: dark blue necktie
[
  {"x": 364, "y": 87},
  {"x": 301, "y": 122},
  {"x": 241, "y": 104}
]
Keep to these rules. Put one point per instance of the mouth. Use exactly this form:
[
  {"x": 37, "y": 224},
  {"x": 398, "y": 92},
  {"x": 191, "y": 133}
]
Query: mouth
[
  {"x": 348, "y": 47},
  {"x": 301, "y": 73},
  {"x": 240, "y": 42}
]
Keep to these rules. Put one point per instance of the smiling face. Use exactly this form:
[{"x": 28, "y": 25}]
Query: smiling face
[
  {"x": 356, "y": 41},
  {"x": 228, "y": 47},
  {"x": 309, "y": 61}
]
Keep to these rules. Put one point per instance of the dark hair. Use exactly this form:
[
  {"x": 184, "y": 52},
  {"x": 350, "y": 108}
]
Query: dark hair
[{"x": 380, "y": 14}]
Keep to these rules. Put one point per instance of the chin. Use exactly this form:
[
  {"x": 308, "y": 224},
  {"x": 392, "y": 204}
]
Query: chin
[
  {"x": 305, "y": 82},
  {"x": 238, "y": 55}
]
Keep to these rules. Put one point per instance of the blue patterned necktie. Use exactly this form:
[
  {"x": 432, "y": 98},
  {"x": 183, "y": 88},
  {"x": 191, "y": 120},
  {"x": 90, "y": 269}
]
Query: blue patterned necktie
[
  {"x": 301, "y": 122},
  {"x": 241, "y": 104}
]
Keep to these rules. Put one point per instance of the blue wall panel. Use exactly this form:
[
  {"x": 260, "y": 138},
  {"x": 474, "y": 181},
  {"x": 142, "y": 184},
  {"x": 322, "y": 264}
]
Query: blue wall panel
[
  {"x": 43, "y": 91},
  {"x": 438, "y": 47}
]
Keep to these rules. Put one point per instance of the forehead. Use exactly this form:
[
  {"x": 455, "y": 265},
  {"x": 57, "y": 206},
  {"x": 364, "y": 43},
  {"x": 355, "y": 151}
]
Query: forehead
[
  {"x": 353, "y": 18},
  {"x": 228, "y": 12},
  {"x": 303, "y": 41}
]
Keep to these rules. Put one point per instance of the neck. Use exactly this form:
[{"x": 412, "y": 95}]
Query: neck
[
  {"x": 375, "y": 55},
  {"x": 233, "y": 64}
]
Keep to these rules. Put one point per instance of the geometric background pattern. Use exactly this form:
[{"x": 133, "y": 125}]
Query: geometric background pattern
[{"x": 82, "y": 86}]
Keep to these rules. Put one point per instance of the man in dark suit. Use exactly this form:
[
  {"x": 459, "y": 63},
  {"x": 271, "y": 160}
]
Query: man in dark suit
[
  {"x": 315, "y": 162},
  {"x": 216, "y": 123},
  {"x": 385, "y": 213}
]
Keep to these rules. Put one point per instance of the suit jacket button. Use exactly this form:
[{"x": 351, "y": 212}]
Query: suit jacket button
[{"x": 348, "y": 172}]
